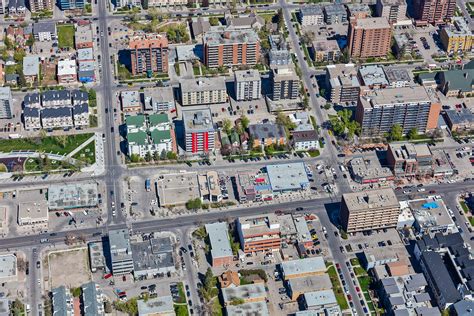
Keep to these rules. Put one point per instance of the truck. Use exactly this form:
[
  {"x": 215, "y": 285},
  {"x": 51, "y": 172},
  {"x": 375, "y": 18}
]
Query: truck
[{"x": 147, "y": 185}]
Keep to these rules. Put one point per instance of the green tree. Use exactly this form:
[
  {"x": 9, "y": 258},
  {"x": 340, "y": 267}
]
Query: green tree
[
  {"x": 148, "y": 156},
  {"x": 130, "y": 307},
  {"x": 244, "y": 120},
  {"x": 31, "y": 41},
  {"x": 413, "y": 133},
  {"x": 18, "y": 55},
  {"x": 396, "y": 133},
  {"x": 194, "y": 204},
  {"x": 227, "y": 126},
  {"x": 214, "y": 21},
  {"x": 62, "y": 140},
  {"x": 237, "y": 301},
  {"x": 280, "y": 20},
  {"x": 337, "y": 126},
  {"x": 285, "y": 120},
  {"x": 134, "y": 158},
  {"x": 156, "y": 156},
  {"x": 76, "y": 292},
  {"x": 209, "y": 280},
  {"x": 170, "y": 155},
  {"x": 163, "y": 155}
]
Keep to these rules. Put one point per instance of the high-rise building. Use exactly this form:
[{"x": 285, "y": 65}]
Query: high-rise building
[
  {"x": 433, "y": 11},
  {"x": 231, "y": 48},
  {"x": 199, "y": 131},
  {"x": 285, "y": 82},
  {"x": 394, "y": 10},
  {"x": 148, "y": 53},
  {"x": 456, "y": 38},
  {"x": 367, "y": 210},
  {"x": 71, "y": 4},
  {"x": 41, "y": 5},
  {"x": 343, "y": 83},
  {"x": 409, "y": 107},
  {"x": 6, "y": 103},
  {"x": 248, "y": 85},
  {"x": 369, "y": 37}
]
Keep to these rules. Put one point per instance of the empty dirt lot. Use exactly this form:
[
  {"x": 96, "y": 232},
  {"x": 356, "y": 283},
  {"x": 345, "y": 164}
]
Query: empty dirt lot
[{"x": 69, "y": 268}]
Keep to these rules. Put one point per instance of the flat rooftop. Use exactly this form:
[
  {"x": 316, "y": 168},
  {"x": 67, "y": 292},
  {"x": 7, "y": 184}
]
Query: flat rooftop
[
  {"x": 373, "y": 75},
  {"x": 373, "y": 23},
  {"x": 310, "y": 283},
  {"x": 342, "y": 75},
  {"x": 119, "y": 242},
  {"x": 374, "y": 199},
  {"x": 396, "y": 74},
  {"x": 248, "y": 309},
  {"x": 218, "y": 37},
  {"x": 303, "y": 266},
  {"x": 153, "y": 254},
  {"x": 430, "y": 212},
  {"x": 246, "y": 292},
  {"x": 197, "y": 120},
  {"x": 396, "y": 96},
  {"x": 369, "y": 167},
  {"x": 177, "y": 188},
  {"x": 33, "y": 211},
  {"x": 219, "y": 239},
  {"x": 73, "y": 195},
  {"x": 202, "y": 84},
  {"x": 285, "y": 177},
  {"x": 259, "y": 225},
  {"x": 8, "y": 267},
  {"x": 320, "y": 298},
  {"x": 162, "y": 305},
  {"x": 247, "y": 75}
]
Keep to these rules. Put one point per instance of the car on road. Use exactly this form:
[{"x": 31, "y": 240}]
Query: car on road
[
  {"x": 43, "y": 240},
  {"x": 38, "y": 264}
]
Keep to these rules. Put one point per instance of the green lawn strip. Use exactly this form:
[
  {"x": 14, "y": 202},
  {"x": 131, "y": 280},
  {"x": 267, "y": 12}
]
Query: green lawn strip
[
  {"x": 50, "y": 144},
  {"x": 471, "y": 220},
  {"x": 216, "y": 307},
  {"x": 464, "y": 206},
  {"x": 359, "y": 271},
  {"x": 314, "y": 153},
  {"x": 355, "y": 262},
  {"x": 336, "y": 286},
  {"x": 182, "y": 297},
  {"x": 86, "y": 154},
  {"x": 181, "y": 310},
  {"x": 65, "y": 36}
]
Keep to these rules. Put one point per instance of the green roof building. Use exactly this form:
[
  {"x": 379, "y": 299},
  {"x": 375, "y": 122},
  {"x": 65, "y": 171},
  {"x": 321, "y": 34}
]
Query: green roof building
[
  {"x": 158, "y": 119},
  {"x": 135, "y": 121}
]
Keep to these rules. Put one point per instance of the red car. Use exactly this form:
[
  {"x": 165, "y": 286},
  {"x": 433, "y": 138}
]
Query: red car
[
  {"x": 337, "y": 266},
  {"x": 357, "y": 289},
  {"x": 432, "y": 191},
  {"x": 108, "y": 275},
  {"x": 349, "y": 297}
]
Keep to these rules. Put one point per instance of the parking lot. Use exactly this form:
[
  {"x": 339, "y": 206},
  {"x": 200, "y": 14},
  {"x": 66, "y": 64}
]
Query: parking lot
[{"x": 374, "y": 239}]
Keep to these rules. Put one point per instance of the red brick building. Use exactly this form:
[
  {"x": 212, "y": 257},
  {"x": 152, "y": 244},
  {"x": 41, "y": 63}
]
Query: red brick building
[
  {"x": 369, "y": 37},
  {"x": 148, "y": 54},
  {"x": 259, "y": 233},
  {"x": 433, "y": 11}
]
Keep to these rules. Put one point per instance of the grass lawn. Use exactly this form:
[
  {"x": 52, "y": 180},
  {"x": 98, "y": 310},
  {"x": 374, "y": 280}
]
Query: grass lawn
[
  {"x": 464, "y": 206},
  {"x": 216, "y": 307},
  {"x": 355, "y": 262},
  {"x": 359, "y": 271},
  {"x": 314, "y": 153},
  {"x": 65, "y": 35},
  {"x": 336, "y": 285},
  {"x": 49, "y": 144},
  {"x": 471, "y": 220},
  {"x": 182, "y": 297},
  {"x": 364, "y": 282},
  {"x": 87, "y": 154},
  {"x": 181, "y": 310},
  {"x": 35, "y": 164}
]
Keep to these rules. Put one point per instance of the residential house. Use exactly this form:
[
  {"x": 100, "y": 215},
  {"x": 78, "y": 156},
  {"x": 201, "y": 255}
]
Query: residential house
[
  {"x": 267, "y": 134},
  {"x": 60, "y": 117},
  {"x": 31, "y": 68},
  {"x": 81, "y": 115},
  {"x": 32, "y": 118}
]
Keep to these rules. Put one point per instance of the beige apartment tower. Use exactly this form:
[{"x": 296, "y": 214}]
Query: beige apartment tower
[{"x": 366, "y": 210}]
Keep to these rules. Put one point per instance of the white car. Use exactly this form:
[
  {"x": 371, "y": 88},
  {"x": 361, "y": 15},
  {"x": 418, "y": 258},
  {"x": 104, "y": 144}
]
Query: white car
[{"x": 421, "y": 190}]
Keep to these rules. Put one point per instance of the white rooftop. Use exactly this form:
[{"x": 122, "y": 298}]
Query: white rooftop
[
  {"x": 302, "y": 266},
  {"x": 219, "y": 238}
]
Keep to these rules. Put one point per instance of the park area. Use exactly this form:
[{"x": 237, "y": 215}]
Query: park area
[{"x": 66, "y": 35}]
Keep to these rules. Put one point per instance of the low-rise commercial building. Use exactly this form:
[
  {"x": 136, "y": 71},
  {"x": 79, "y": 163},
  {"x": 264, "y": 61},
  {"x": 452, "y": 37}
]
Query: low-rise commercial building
[
  {"x": 249, "y": 293},
  {"x": 297, "y": 287},
  {"x": 221, "y": 252},
  {"x": 44, "y": 31},
  {"x": 319, "y": 301},
  {"x": 303, "y": 268},
  {"x": 130, "y": 101},
  {"x": 457, "y": 38},
  {"x": 367, "y": 169},
  {"x": 32, "y": 213},
  {"x": 31, "y": 68},
  {"x": 158, "y": 306},
  {"x": 343, "y": 83},
  {"x": 83, "y": 194},
  {"x": 259, "y": 233},
  {"x": 203, "y": 91},
  {"x": 83, "y": 37},
  {"x": 152, "y": 256},
  {"x": 373, "y": 77},
  {"x": 6, "y": 103},
  {"x": 408, "y": 160},
  {"x": 459, "y": 120},
  {"x": 8, "y": 268},
  {"x": 431, "y": 216},
  {"x": 397, "y": 77},
  {"x": 120, "y": 251},
  {"x": 209, "y": 187},
  {"x": 158, "y": 99},
  {"x": 96, "y": 256},
  {"x": 288, "y": 177},
  {"x": 368, "y": 210}
]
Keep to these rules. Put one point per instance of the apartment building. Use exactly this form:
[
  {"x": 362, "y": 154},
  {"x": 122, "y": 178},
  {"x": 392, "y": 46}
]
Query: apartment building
[
  {"x": 62, "y": 300},
  {"x": 31, "y": 67},
  {"x": 358, "y": 10},
  {"x": 149, "y": 134},
  {"x": 433, "y": 11},
  {"x": 231, "y": 48},
  {"x": 395, "y": 11},
  {"x": 285, "y": 82},
  {"x": 303, "y": 268},
  {"x": 409, "y": 107},
  {"x": 324, "y": 50},
  {"x": 148, "y": 53},
  {"x": 457, "y": 38},
  {"x": 92, "y": 300},
  {"x": 335, "y": 13},
  {"x": 203, "y": 91},
  {"x": 408, "y": 160},
  {"x": 71, "y": 4},
  {"x": 6, "y": 103},
  {"x": 259, "y": 233},
  {"x": 343, "y": 83},
  {"x": 369, "y": 37},
  {"x": 266, "y": 134},
  {"x": 311, "y": 15},
  {"x": 67, "y": 72},
  {"x": 199, "y": 131},
  {"x": 40, "y": 5},
  {"x": 44, "y": 31},
  {"x": 366, "y": 210},
  {"x": 248, "y": 85},
  {"x": 16, "y": 7}
]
